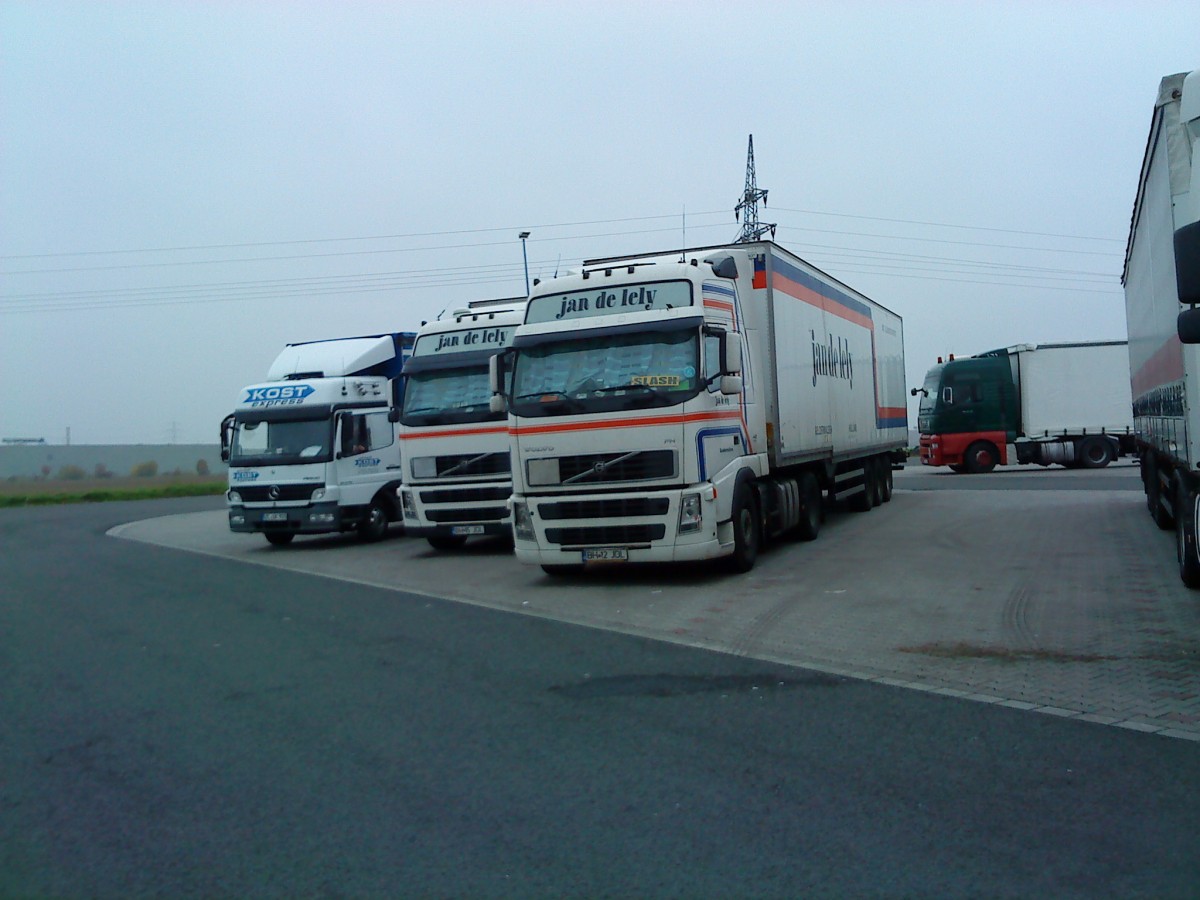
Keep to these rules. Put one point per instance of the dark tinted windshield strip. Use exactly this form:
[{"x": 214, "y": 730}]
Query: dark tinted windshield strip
[
  {"x": 580, "y": 334},
  {"x": 470, "y": 359}
]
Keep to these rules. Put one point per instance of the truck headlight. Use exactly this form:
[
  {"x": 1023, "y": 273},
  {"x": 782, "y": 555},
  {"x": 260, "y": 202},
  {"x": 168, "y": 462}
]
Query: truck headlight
[
  {"x": 690, "y": 515},
  {"x": 406, "y": 501},
  {"x": 318, "y": 494},
  {"x": 233, "y": 496},
  {"x": 522, "y": 523},
  {"x": 424, "y": 467}
]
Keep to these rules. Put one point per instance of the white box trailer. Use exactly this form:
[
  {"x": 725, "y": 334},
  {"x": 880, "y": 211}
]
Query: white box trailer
[
  {"x": 1162, "y": 271},
  {"x": 683, "y": 406},
  {"x": 313, "y": 449},
  {"x": 1074, "y": 389}
]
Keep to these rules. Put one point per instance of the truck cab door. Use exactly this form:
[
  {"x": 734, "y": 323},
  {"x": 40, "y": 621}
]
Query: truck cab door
[{"x": 368, "y": 455}]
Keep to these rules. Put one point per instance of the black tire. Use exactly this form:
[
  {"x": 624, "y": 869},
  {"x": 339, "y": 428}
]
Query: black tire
[
  {"x": 1094, "y": 452},
  {"x": 957, "y": 469},
  {"x": 864, "y": 501},
  {"x": 1185, "y": 535},
  {"x": 374, "y": 525},
  {"x": 981, "y": 457},
  {"x": 561, "y": 571},
  {"x": 747, "y": 530},
  {"x": 810, "y": 508},
  {"x": 886, "y": 479},
  {"x": 279, "y": 538},
  {"x": 447, "y": 541}
]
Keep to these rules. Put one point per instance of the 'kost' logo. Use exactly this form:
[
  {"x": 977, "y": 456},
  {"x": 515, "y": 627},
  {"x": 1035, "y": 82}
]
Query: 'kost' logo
[{"x": 277, "y": 395}]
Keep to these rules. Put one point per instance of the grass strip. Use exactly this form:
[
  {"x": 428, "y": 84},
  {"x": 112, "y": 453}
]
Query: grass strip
[{"x": 104, "y": 496}]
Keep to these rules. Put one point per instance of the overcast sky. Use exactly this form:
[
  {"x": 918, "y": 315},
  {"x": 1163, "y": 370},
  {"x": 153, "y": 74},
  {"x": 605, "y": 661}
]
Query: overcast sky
[{"x": 186, "y": 187}]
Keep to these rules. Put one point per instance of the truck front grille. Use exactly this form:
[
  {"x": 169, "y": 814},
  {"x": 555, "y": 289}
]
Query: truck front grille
[
  {"x": 606, "y": 534},
  {"x": 262, "y": 493},
  {"x": 472, "y": 464},
  {"x": 468, "y": 495},
  {"x": 604, "y": 509},
  {"x": 601, "y": 468}
]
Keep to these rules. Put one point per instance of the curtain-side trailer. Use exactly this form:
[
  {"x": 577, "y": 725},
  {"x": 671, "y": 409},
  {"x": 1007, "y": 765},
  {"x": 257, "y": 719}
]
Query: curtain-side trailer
[{"x": 1162, "y": 290}]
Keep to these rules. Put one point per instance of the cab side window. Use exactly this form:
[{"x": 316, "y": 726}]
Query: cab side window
[{"x": 370, "y": 431}]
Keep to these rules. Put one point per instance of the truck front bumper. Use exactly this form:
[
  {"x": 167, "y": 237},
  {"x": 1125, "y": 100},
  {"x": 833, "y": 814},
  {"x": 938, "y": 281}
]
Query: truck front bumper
[
  {"x": 316, "y": 518},
  {"x": 456, "y": 510},
  {"x": 950, "y": 449},
  {"x": 574, "y": 529}
]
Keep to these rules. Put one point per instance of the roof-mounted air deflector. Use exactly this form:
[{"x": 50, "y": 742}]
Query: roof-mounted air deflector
[{"x": 726, "y": 267}]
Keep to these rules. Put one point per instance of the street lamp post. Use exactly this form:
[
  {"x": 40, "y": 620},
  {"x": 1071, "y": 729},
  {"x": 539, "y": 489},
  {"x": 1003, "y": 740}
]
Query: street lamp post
[{"x": 523, "y": 235}]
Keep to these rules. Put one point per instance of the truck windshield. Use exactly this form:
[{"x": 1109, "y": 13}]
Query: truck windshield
[
  {"x": 929, "y": 395},
  {"x": 272, "y": 443},
  {"x": 446, "y": 396},
  {"x": 626, "y": 371}
]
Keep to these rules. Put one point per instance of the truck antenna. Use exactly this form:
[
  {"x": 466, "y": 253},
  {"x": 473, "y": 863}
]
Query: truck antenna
[
  {"x": 747, "y": 209},
  {"x": 683, "y": 246}
]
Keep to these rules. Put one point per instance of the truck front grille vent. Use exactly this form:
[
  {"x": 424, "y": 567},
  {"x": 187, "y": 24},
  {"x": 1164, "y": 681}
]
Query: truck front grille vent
[
  {"x": 466, "y": 495},
  {"x": 604, "y": 509},
  {"x": 471, "y": 514},
  {"x": 606, "y": 534},
  {"x": 261, "y": 493},
  {"x": 472, "y": 464}
]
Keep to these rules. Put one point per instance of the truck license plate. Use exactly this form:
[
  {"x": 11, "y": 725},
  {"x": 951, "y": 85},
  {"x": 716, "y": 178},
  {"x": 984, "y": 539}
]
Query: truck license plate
[
  {"x": 606, "y": 554},
  {"x": 467, "y": 529},
  {"x": 275, "y": 517}
]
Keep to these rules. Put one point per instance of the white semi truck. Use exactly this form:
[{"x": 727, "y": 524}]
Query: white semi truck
[
  {"x": 313, "y": 448},
  {"x": 1030, "y": 403},
  {"x": 687, "y": 406},
  {"x": 457, "y": 480},
  {"x": 1162, "y": 290}
]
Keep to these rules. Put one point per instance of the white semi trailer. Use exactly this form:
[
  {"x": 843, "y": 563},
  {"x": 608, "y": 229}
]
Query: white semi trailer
[
  {"x": 1162, "y": 290},
  {"x": 457, "y": 480},
  {"x": 313, "y": 448},
  {"x": 687, "y": 406}
]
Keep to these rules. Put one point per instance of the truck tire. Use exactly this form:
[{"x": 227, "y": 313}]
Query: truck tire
[
  {"x": 279, "y": 538},
  {"x": 1185, "y": 534},
  {"x": 886, "y": 479},
  {"x": 810, "y": 508},
  {"x": 876, "y": 467},
  {"x": 865, "y": 500},
  {"x": 747, "y": 530},
  {"x": 374, "y": 525},
  {"x": 1094, "y": 452},
  {"x": 446, "y": 541},
  {"x": 981, "y": 457}
]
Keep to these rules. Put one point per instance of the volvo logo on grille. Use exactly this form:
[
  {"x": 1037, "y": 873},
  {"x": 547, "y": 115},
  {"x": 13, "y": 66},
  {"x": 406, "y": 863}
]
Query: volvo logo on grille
[
  {"x": 273, "y": 492},
  {"x": 599, "y": 467}
]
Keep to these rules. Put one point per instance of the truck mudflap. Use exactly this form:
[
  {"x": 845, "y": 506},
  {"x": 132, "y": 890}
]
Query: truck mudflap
[
  {"x": 951, "y": 449},
  {"x": 318, "y": 518}
]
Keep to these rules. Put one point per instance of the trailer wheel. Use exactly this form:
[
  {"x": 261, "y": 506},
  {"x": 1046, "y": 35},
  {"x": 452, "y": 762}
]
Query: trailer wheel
[
  {"x": 886, "y": 479},
  {"x": 446, "y": 541},
  {"x": 1185, "y": 534},
  {"x": 1094, "y": 452},
  {"x": 374, "y": 525},
  {"x": 747, "y": 534},
  {"x": 980, "y": 458},
  {"x": 864, "y": 501},
  {"x": 279, "y": 538},
  {"x": 876, "y": 467},
  {"x": 810, "y": 508}
]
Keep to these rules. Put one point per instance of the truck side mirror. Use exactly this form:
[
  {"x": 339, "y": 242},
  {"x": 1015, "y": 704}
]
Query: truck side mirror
[
  {"x": 731, "y": 354},
  {"x": 226, "y": 427},
  {"x": 497, "y": 403},
  {"x": 1187, "y": 324},
  {"x": 1187, "y": 262},
  {"x": 731, "y": 384},
  {"x": 393, "y": 415}
]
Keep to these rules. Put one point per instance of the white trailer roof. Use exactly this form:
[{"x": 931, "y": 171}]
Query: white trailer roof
[{"x": 347, "y": 356}]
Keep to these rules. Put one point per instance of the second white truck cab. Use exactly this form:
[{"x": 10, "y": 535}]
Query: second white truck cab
[{"x": 457, "y": 480}]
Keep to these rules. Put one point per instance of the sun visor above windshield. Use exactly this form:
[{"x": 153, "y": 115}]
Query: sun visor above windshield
[{"x": 659, "y": 326}]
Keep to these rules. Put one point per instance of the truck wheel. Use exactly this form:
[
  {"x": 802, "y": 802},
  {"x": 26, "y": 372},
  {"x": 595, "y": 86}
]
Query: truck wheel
[
  {"x": 746, "y": 530},
  {"x": 447, "y": 541},
  {"x": 957, "y": 469},
  {"x": 867, "y": 499},
  {"x": 279, "y": 538},
  {"x": 810, "y": 508},
  {"x": 980, "y": 458},
  {"x": 1185, "y": 535},
  {"x": 374, "y": 525},
  {"x": 886, "y": 479},
  {"x": 1094, "y": 453}
]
